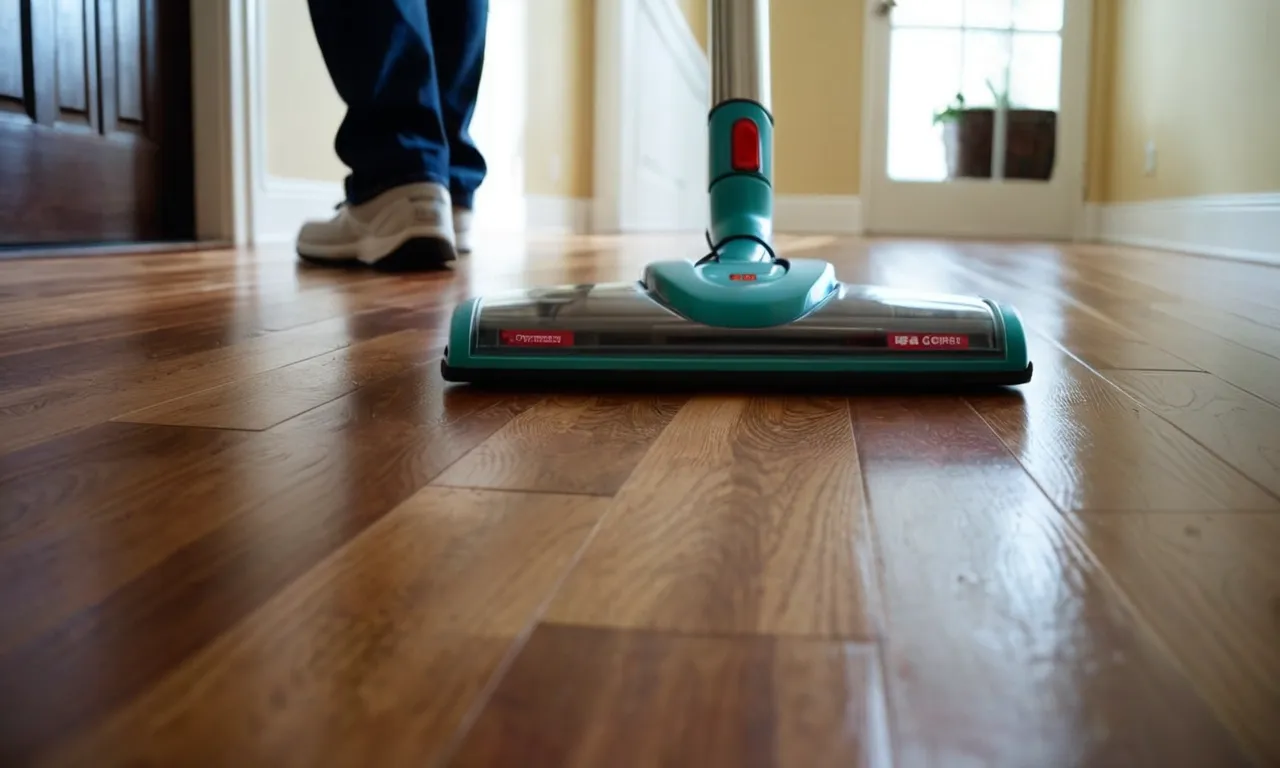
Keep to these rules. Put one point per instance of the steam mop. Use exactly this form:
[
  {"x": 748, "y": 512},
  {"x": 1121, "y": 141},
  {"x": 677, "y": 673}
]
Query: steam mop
[{"x": 741, "y": 314}]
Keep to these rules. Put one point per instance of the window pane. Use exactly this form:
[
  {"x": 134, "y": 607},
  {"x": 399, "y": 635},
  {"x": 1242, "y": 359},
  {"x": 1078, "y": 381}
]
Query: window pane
[
  {"x": 986, "y": 59},
  {"x": 1035, "y": 77},
  {"x": 927, "y": 13},
  {"x": 1038, "y": 15},
  {"x": 988, "y": 13},
  {"x": 924, "y": 76}
]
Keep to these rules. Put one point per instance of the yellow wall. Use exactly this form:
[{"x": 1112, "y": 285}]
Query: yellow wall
[
  {"x": 1101, "y": 93},
  {"x": 1201, "y": 80},
  {"x": 559, "y": 144},
  {"x": 302, "y": 109},
  {"x": 695, "y": 12},
  {"x": 817, "y": 95}
]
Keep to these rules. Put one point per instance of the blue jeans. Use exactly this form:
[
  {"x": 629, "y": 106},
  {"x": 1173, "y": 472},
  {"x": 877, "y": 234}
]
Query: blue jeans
[{"x": 409, "y": 73}]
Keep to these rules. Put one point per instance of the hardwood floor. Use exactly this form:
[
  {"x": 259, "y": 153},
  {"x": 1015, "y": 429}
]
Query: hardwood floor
[{"x": 243, "y": 521}]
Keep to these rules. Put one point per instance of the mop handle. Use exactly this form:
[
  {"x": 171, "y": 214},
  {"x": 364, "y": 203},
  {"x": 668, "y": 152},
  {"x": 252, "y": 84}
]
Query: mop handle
[
  {"x": 740, "y": 51},
  {"x": 740, "y": 125}
]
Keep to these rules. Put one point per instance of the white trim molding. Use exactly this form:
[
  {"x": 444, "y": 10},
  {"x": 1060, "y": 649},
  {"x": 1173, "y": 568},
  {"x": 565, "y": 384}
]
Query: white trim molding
[
  {"x": 627, "y": 167},
  {"x": 235, "y": 200},
  {"x": 818, "y": 214},
  {"x": 278, "y": 206},
  {"x": 1244, "y": 227},
  {"x": 550, "y": 214},
  {"x": 281, "y": 205},
  {"x": 1089, "y": 223},
  {"x": 220, "y": 119}
]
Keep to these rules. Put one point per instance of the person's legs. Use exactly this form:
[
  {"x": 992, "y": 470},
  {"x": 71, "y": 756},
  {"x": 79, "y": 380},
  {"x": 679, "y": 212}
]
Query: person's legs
[
  {"x": 458, "y": 31},
  {"x": 380, "y": 56}
]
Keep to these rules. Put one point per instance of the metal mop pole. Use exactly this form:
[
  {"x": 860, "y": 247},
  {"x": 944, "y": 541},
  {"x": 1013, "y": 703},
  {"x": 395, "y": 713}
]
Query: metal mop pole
[
  {"x": 741, "y": 132},
  {"x": 740, "y": 51}
]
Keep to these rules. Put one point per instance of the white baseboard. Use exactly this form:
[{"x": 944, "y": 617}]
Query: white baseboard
[
  {"x": 818, "y": 214},
  {"x": 1243, "y": 227},
  {"x": 1089, "y": 226},
  {"x": 282, "y": 205},
  {"x": 552, "y": 214}
]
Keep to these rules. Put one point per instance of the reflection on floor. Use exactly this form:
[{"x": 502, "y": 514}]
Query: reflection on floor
[{"x": 244, "y": 522}]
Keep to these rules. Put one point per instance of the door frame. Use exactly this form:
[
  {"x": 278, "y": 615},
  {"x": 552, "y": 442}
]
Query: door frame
[
  {"x": 233, "y": 186},
  {"x": 223, "y": 75},
  {"x": 875, "y": 63}
]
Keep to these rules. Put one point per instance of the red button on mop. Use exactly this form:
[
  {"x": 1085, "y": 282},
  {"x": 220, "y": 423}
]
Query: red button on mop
[{"x": 746, "y": 145}]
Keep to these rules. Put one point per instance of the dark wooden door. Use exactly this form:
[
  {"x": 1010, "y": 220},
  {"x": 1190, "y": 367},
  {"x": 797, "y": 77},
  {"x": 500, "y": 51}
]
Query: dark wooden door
[{"x": 95, "y": 126}]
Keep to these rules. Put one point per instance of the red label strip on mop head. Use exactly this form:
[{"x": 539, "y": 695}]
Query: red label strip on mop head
[
  {"x": 924, "y": 341},
  {"x": 536, "y": 338}
]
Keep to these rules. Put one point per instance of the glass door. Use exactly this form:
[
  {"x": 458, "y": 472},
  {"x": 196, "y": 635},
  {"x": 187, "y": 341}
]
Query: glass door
[{"x": 976, "y": 117}]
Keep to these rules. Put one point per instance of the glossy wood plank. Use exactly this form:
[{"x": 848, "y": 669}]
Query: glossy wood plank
[
  {"x": 746, "y": 515},
  {"x": 134, "y": 587},
  {"x": 1246, "y": 368},
  {"x": 109, "y": 321},
  {"x": 1100, "y": 346},
  {"x": 1209, "y": 587},
  {"x": 1086, "y": 331},
  {"x": 1029, "y": 282},
  {"x": 1232, "y": 359},
  {"x": 567, "y": 445},
  {"x": 1242, "y": 429},
  {"x": 17, "y": 312},
  {"x": 1228, "y": 287},
  {"x": 445, "y": 583},
  {"x": 99, "y": 355},
  {"x": 208, "y": 595},
  {"x": 120, "y": 497},
  {"x": 1248, "y": 330},
  {"x": 1091, "y": 447},
  {"x": 327, "y": 300},
  {"x": 985, "y": 586},
  {"x": 581, "y": 697},
  {"x": 31, "y": 415},
  {"x": 1125, "y": 303},
  {"x": 265, "y": 299},
  {"x": 269, "y": 398},
  {"x": 82, "y": 515}
]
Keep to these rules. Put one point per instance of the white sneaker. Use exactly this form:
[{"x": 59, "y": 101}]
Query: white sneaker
[
  {"x": 462, "y": 229},
  {"x": 408, "y": 227}
]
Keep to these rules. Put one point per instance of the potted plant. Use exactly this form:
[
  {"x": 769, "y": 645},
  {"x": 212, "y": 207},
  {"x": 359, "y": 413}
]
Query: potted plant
[
  {"x": 968, "y": 133},
  {"x": 953, "y": 121}
]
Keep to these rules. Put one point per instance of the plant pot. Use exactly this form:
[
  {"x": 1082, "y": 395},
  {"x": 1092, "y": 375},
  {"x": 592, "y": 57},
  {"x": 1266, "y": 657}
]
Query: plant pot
[{"x": 1029, "y": 149}]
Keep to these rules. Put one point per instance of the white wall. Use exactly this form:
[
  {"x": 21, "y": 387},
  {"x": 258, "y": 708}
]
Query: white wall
[
  {"x": 652, "y": 97},
  {"x": 499, "y": 124}
]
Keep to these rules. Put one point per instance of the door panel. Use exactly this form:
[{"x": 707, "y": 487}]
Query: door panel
[
  {"x": 11, "y": 69},
  {"x": 95, "y": 136},
  {"x": 76, "y": 63}
]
